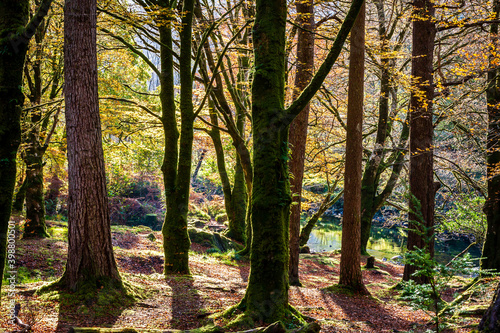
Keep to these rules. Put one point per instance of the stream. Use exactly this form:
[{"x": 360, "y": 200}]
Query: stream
[{"x": 384, "y": 242}]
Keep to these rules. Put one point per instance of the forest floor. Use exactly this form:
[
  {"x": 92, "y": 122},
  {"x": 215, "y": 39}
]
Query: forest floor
[{"x": 218, "y": 281}]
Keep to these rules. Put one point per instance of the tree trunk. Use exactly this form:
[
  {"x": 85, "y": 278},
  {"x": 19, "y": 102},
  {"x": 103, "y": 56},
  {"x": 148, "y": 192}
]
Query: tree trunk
[
  {"x": 491, "y": 254},
  {"x": 298, "y": 128},
  {"x": 90, "y": 252},
  {"x": 15, "y": 34},
  {"x": 266, "y": 297},
  {"x": 234, "y": 198},
  {"x": 178, "y": 150},
  {"x": 267, "y": 291},
  {"x": 372, "y": 198},
  {"x": 198, "y": 165},
  {"x": 18, "y": 204},
  {"x": 421, "y": 134},
  {"x": 35, "y": 201},
  {"x": 490, "y": 323},
  {"x": 350, "y": 259}
]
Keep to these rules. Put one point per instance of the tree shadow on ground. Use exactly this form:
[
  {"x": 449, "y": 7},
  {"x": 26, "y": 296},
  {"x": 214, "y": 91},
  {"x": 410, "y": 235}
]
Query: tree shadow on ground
[
  {"x": 363, "y": 310},
  {"x": 99, "y": 309},
  {"x": 187, "y": 305}
]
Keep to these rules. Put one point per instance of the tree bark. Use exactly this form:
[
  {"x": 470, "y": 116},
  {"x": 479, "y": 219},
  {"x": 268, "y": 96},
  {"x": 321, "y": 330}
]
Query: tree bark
[
  {"x": 491, "y": 255},
  {"x": 178, "y": 149},
  {"x": 267, "y": 291},
  {"x": 298, "y": 128},
  {"x": 350, "y": 259},
  {"x": 90, "y": 252},
  {"x": 421, "y": 134},
  {"x": 15, "y": 34},
  {"x": 266, "y": 297},
  {"x": 490, "y": 323}
]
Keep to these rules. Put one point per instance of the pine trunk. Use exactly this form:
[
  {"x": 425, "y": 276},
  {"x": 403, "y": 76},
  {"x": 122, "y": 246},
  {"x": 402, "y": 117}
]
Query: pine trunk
[
  {"x": 491, "y": 254},
  {"x": 90, "y": 252},
  {"x": 350, "y": 260},
  {"x": 298, "y": 128},
  {"x": 421, "y": 133}
]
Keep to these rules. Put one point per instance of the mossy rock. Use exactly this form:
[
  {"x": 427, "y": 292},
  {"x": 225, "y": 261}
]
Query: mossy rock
[{"x": 212, "y": 239}]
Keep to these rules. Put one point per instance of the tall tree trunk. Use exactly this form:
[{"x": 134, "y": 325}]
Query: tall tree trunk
[
  {"x": 178, "y": 149},
  {"x": 90, "y": 252},
  {"x": 15, "y": 34},
  {"x": 298, "y": 128},
  {"x": 34, "y": 151},
  {"x": 235, "y": 197},
  {"x": 267, "y": 291},
  {"x": 350, "y": 259},
  {"x": 422, "y": 189},
  {"x": 266, "y": 296},
  {"x": 372, "y": 197},
  {"x": 491, "y": 254}
]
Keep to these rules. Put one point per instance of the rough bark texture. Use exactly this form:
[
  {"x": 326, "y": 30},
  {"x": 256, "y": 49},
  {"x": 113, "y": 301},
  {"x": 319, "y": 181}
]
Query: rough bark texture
[
  {"x": 15, "y": 34},
  {"x": 492, "y": 206},
  {"x": 178, "y": 149},
  {"x": 298, "y": 128},
  {"x": 90, "y": 252},
  {"x": 350, "y": 259},
  {"x": 421, "y": 132}
]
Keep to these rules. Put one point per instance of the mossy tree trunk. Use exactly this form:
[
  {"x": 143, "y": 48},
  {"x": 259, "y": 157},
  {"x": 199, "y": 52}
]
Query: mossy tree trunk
[
  {"x": 236, "y": 196},
  {"x": 422, "y": 189},
  {"x": 176, "y": 166},
  {"x": 90, "y": 252},
  {"x": 298, "y": 128},
  {"x": 16, "y": 30},
  {"x": 372, "y": 199},
  {"x": 350, "y": 259},
  {"x": 37, "y": 137},
  {"x": 266, "y": 297},
  {"x": 18, "y": 204},
  {"x": 491, "y": 254}
]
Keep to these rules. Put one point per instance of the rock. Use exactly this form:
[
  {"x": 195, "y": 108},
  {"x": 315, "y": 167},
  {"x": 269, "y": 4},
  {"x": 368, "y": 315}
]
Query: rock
[
  {"x": 151, "y": 237},
  {"x": 305, "y": 249}
]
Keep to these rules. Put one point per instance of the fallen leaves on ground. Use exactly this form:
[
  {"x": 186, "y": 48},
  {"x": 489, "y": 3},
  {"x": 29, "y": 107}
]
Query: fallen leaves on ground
[{"x": 183, "y": 303}]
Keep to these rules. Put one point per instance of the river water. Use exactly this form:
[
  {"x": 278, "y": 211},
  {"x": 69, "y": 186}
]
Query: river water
[{"x": 384, "y": 242}]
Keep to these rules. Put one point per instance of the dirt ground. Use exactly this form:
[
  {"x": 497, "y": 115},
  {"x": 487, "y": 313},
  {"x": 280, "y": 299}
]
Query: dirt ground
[{"x": 217, "y": 282}]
